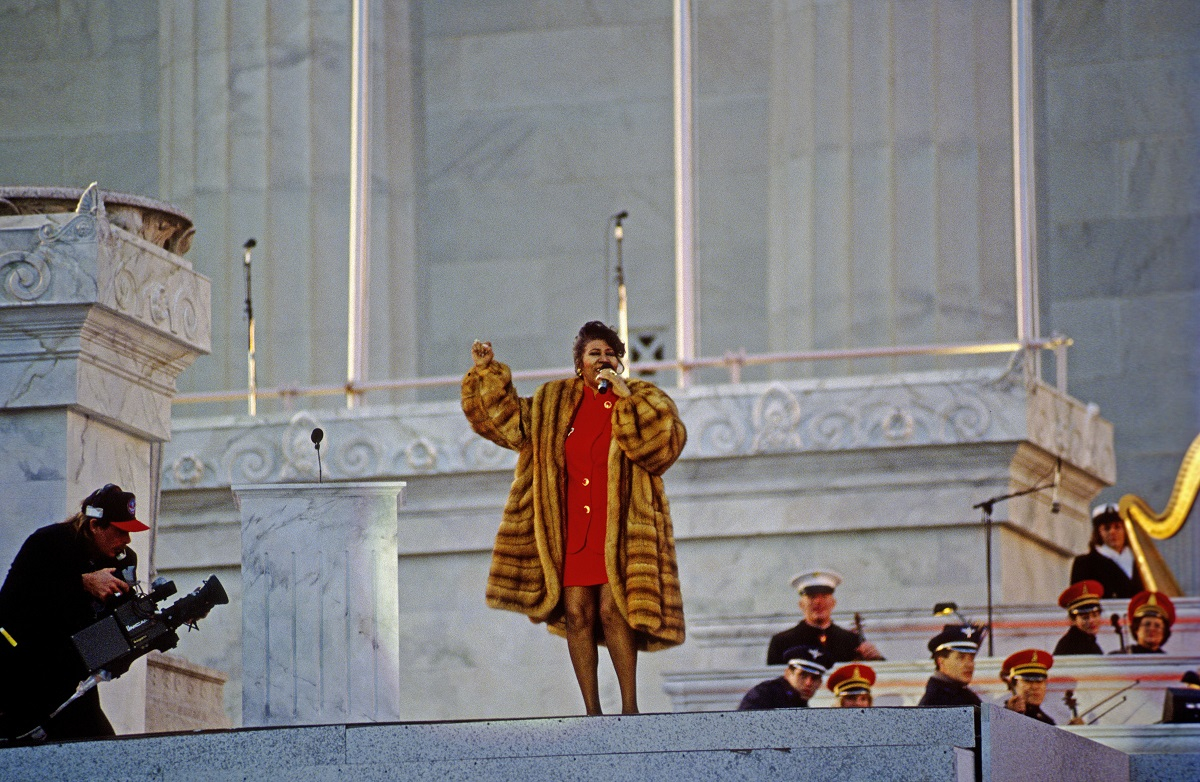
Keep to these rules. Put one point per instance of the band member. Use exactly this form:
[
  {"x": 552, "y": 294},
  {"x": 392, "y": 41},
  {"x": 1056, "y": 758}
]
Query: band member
[
  {"x": 817, "y": 629},
  {"x": 806, "y": 666},
  {"x": 585, "y": 543},
  {"x": 1025, "y": 673},
  {"x": 954, "y": 651},
  {"x": 851, "y": 686},
  {"x": 1109, "y": 559},
  {"x": 1151, "y": 615},
  {"x": 1082, "y": 601}
]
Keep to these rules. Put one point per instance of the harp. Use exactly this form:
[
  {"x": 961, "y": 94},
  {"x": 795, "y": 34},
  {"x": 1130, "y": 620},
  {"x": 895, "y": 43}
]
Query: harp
[{"x": 1143, "y": 524}]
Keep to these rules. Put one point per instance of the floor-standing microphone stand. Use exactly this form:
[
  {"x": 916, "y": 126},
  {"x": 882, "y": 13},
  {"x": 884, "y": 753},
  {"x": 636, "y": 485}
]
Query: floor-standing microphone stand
[
  {"x": 622, "y": 296},
  {"x": 987, "y": 505},
  {"x": 251, "y": 369}
]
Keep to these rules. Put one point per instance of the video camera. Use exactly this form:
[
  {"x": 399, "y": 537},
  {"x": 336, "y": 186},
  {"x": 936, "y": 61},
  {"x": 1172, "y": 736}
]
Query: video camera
[{"x": 136, "y": 627}]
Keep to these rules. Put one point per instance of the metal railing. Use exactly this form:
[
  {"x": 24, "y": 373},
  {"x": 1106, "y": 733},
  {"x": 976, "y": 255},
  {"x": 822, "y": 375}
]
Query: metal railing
[{"x": 732, "y": 362}]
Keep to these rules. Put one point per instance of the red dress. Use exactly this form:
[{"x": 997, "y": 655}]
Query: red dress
[{"x": 586, "y": 453}]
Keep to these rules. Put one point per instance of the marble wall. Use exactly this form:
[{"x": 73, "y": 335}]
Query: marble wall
[{"x": 852, "y": 182}]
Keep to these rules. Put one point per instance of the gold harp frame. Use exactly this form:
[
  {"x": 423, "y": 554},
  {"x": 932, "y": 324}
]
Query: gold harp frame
[{"x": 1142, "y": 523}]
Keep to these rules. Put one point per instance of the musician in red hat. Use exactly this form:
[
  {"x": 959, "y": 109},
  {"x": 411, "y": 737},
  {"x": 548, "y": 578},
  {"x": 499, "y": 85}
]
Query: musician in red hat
[
  {"x": 851, "y": 686},
  {"x": 1151, "y": 615},
  {"x": 1025, "y": 672},
  {"x": 1082, "y": 601}
]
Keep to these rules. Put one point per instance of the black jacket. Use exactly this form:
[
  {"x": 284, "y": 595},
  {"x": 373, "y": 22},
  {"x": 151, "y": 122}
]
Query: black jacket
[
  {"x": 1037, "y": 713},
  {"x": 772, "y": 694},
  {"x": 942, "y": 691},
  {"x": 42, "y": 604},
  {"x": 1094, "y": 565},
  {"x": 837, "y": 642},
  {"x": 1076, "y": 641}
]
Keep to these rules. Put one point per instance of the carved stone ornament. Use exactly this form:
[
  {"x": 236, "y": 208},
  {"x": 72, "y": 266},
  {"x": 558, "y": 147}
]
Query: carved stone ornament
[
  {"x": 779, "y": 417},
  {"x": 158, "y": 223}
]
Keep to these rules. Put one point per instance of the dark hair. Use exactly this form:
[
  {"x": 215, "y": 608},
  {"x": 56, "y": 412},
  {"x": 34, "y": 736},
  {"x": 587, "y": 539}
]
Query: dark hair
[
  {"x": 595, "y": 329},
  {"x": 1097, "y": 541}
]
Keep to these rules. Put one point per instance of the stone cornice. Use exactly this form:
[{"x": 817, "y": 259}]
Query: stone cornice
[
  {"x": 95, "y": 316},
  {"x": 82, "y": 258},
  {"x": 847, "y": 414}
]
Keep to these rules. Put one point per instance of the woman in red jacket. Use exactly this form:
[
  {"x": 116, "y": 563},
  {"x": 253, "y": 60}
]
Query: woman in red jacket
[{"x": 586, "y": 543}]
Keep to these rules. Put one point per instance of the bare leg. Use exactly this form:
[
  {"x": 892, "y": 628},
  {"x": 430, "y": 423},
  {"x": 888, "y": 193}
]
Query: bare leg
[
  {"x": 622, "y": 648},
  {"x": 580, "y": 602}
]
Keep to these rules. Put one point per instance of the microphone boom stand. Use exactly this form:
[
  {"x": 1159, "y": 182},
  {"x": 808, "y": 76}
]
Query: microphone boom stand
[
  {"x": 987, "y": 506},
  {"x": 251, "y": 369},
  {"x": 622, "y": 297}
]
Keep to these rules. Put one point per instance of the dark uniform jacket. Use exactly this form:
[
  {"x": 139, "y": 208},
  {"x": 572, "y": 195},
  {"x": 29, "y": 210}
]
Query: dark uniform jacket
[
  {"x": 1097, "y": 567},
  {"x": 1037, "y": 713},
  {"x": 1139, "y": 649},
  {"x": 42, "y": 604},
  {"x": 837, "y": 642},
  {"x": 772, "y": 694},
  {"x": 943, "y": 691},
  {"x": 1077, "y": 641}
]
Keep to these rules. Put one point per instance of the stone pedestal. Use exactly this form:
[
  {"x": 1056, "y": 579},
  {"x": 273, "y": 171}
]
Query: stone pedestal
[
  {"x": 183, "y": 695},
  {"x": 99, "y": 314},
  {"x": 320, "y": 606}
]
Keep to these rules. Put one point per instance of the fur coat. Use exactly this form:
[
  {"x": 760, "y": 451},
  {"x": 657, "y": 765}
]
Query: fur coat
[{"x": 639, "y": 549}]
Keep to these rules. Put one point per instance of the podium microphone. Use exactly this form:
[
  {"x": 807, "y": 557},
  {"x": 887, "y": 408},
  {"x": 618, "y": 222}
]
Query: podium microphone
[
  {"x": 1055, "y": 505},
  {"x": 317, "y": 436}
]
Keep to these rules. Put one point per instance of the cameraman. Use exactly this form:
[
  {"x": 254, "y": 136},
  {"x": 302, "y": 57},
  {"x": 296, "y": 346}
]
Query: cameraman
[{"x": 59, "y": 583}]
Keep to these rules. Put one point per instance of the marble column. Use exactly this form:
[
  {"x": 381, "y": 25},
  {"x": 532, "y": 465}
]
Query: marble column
[
  {"x": 99, "y": 314},
  {"x": 890, "y": 194},
  {"x": 255, "y": 141},
  {"x": 320, "y": 605}
]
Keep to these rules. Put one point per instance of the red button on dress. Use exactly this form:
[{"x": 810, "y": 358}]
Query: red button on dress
[{"x": 586, "y": 455}]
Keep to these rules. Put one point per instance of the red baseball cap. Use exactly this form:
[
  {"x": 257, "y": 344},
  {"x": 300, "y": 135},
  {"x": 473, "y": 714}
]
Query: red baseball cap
[{"x": 113, "y": 506}]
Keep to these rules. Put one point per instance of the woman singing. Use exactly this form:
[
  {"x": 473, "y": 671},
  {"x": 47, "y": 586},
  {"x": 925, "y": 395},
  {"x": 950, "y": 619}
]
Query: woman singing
[{"x": 586, "y": 531}]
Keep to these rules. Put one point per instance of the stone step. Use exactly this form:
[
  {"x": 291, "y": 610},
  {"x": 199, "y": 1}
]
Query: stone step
[{"x": 950, "y": 744}]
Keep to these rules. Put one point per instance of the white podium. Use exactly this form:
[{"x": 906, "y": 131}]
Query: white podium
[{"x": 320, "y": 603}]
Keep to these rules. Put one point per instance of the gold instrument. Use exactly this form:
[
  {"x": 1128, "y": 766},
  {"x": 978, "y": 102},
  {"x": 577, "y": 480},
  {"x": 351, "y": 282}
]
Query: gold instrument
[{"x": 1142, "y": 523}]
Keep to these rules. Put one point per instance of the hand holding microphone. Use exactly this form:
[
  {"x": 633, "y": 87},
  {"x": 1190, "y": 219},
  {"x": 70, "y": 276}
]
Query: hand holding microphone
[{"x": 608, "y": 378}]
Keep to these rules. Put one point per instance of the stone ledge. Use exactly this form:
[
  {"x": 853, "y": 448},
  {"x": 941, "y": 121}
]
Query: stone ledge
[{"x": 948, "y": 744}]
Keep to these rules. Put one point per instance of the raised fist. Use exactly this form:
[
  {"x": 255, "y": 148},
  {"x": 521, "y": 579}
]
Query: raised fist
[{"x": 482, "y": 353}]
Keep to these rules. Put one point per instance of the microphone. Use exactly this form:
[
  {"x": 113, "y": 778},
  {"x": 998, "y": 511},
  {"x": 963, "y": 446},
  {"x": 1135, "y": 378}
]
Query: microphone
[
  {"x": 1115, "y": 621},
  {"x": 602, "y": 386},
  {"x": 619, "y": 233},
  {"x": 317, "y": 436},
  {"x": 1055, "y": 505}
]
